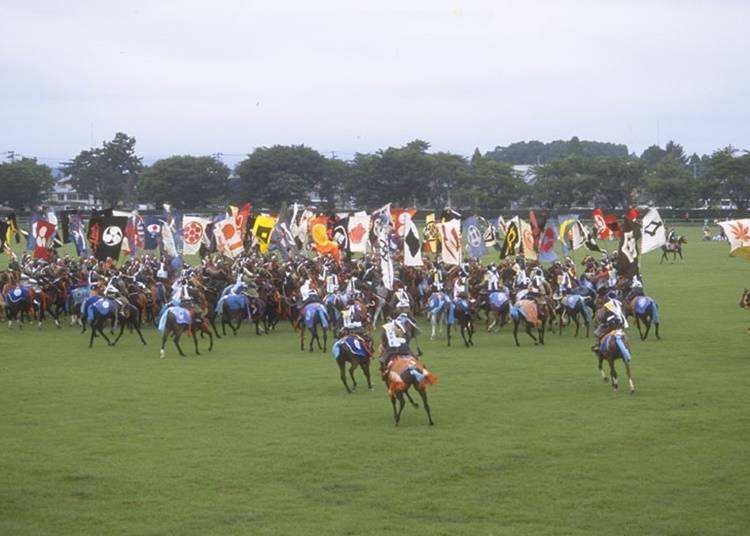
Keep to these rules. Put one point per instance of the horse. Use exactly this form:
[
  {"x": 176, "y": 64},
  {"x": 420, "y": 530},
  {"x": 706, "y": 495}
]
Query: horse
[
  {"x": 404, "y": 372},
  {"x": 99, "y": 309},
  {"x": 644, "y": 309},
  {"x": 312, "y": 316},
  {"x": 176, "y": 320},
  {"x": 464, "y": 316},
  {"x": 612, "y": 346},
  {"x": 234, "y": 308},
  {"x": 357, "y": 351},
  {"x": 674, "y": 247},
  {"x": 18, "y": 304},
  {"x": 438, "y": 309},
  {"x": 532, "y": 314},
  {"x": 745, "y": 301},
  {"x": 334, "y": 303},
  {"x": 574, "y": 305},
  {"x": 76, "y": 297},
  {"x": 498, "y": 309}
]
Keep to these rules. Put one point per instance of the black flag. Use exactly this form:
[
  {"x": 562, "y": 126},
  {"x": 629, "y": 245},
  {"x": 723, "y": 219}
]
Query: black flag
[
  {"x": 627, "y": 258},
  {"x": 112, "y": 231},
  {"x": 512, "y": 240},
  {"x": 341, "y": 234}
]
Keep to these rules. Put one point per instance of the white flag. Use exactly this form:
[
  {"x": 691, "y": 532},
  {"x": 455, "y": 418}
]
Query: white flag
[
  {"x": 358, "y": 230},
  {"x": 228, "y": 237},
  {"x": 167, "y": 239},
  {"x": 450, "y": 238},
  {"x": 412, "y": 246},
  {"x": 192, "y": 233},
  {"x": 653, "y": 233},
  {"x": 738, "y": 233},
  {"x": 527, "y": 240}
]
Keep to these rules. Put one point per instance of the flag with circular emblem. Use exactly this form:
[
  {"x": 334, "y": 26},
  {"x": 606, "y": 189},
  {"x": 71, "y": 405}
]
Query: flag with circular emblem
[{"x": 193, "y": 229}]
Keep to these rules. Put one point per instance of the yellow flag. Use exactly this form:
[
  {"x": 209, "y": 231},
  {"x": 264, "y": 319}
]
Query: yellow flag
[{"x": 262, "y": 229}]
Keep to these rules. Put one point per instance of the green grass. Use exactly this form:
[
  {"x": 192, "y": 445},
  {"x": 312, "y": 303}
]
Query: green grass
[{"x": 260, "y": 438}]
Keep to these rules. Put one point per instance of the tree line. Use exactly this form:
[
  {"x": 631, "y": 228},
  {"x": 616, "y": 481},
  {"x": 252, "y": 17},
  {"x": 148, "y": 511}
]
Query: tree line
[{"x": 564, "y": 174}]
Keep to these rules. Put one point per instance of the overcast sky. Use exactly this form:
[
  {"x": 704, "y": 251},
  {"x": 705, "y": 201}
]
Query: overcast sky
[{"x": 227, "y": 76}]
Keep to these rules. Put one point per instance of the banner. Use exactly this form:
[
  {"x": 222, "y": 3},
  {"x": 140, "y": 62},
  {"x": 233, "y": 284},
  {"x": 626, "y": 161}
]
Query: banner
[
  {"x": 627, "y": 259},
  {"x": 653, "y": 233},
  {"x": 110, "y": 240},
  {"x": 738, "y": 233},
  {"x": 475, "y": 242},
  {"x": 450, "y": 238},
  {"x": 263, "y": 229},
  {"x": 527, "y": 241},
  {"x": 228, "y": 238},
  {"x": 152, "y": 233},
  {"x": 401, "y": 218},
  {"x": 341, "y": 234},
  {"x": 547, "y": 241},
  {"x": 44, "y": 234},
  {"x": 358, "y": 228},
  {"x": 321, "y": 242},
  {"x": 193, "y": 230},
  {"x": 77, "y": 234},
  {"x": 429, "y": 235},
  {"x": 412, "y": 246},
  {"x": 167, "y": 239},
  {"x": 512, "y": 240}
]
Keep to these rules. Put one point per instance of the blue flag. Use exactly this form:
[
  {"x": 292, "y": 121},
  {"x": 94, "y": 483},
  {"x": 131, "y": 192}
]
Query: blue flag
[
  {"x": 152, "y": 232},
  {"x": 474, "y": 237},
  {"x": 547, "y": 241},
  {"x": 31, "y": 240}
]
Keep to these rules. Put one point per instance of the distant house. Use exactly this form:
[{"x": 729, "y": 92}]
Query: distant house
[
  {"x": 64, "y": 196},
  {"x": 525, "y": 171}
]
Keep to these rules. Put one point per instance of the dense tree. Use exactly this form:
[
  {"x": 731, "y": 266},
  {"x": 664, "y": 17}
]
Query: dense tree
[
  {"x": 558, "y": 184},
  {"x": 537, "y": 152},
  {"x": 187, "y": 182},
  {"x": 109, "y": 172},
  {"x": 24, "y": 183},
  {"x": 670, "y": 184},
  {"x": 733, "y": 173},
  {"x": 615, "y": 180},
  {"x": 274, "y": 175},
  {"x": 487, "y": 184}
]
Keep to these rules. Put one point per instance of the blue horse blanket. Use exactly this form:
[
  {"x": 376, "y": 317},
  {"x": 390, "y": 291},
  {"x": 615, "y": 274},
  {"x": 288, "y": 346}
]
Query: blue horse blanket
[
  {"x": 182, "y": 316},
  {"x": 498, "y": 299},
  {"x": 604, "y": 347},
  {"x": 354, "y": 344},
  {"x": 16, "y": 295},
  {"x": 311, "y": 311}
]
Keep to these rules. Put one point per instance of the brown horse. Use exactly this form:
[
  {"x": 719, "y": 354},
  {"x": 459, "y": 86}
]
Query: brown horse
[
  {"x": 674, "y": 247},
  {"x": 531, "y": 314},
  {"x": 614, "y": 345},
  {"x": 745, "y": 301},
  {"x": 357, "y": 351},
  {"x": 176, "y": 325},
  {"x": 404, "y": 372}
]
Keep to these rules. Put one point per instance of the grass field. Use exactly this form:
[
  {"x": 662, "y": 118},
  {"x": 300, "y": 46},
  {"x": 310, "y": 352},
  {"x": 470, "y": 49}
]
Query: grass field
[{"x": 260, "y": 438}]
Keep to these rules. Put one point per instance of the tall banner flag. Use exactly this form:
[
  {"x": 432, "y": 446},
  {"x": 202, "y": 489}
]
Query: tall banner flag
[
  {"x": 512, "y": 239},
  {"x": 412, "y": 246},
  {"x": 606, "y": 225},
  {"x": 450, "y": 238},
  {"x": 627, "y": 259},
  {"x": 262, "y": 230},
  {"x": 44, "y": 234},
  {"x": 12, "y": 230},
  {"x": 653, "y": 233},
  {"x": 228, "y": 238},
  {"x": 379, "y": 219},
  {"x": 242, "y": 216},
  {"x": 474, "y": 240},
  {"x": 152, "y": 232},
  {"x": 77, "y": 234},
  {"x": 341, "y": 234},
  {"x": 95, "y": 229},
  {"x": 193, "y": 229},
  {"x": 63, "y": 225},
  {"x": 429, "y": 235},
  {"x": 547, "y": 241},
  {"x": 738, "y": 233},
  {"x": 528, "y": 248},
  {"x": 31, "y": 239},
  {"x": 110, "y": 240},
  {"x": 321, "y": 242},
  {"x": 489, "y": 233},
  {"x": 358, "y": 228},
  {"x": 401, "y": 218},
  {"x": 449, "y": 214},
  {"x": 167, "y": 239}
]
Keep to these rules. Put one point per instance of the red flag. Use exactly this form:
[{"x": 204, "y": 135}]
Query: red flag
[
  {"x": 45, "y": 233},
  {"x": 241, "y": 218},
  {"x": 401, "y": 218}
]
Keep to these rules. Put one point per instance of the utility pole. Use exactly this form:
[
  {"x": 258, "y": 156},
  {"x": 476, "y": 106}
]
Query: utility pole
[{"x": 11, "y": 155}]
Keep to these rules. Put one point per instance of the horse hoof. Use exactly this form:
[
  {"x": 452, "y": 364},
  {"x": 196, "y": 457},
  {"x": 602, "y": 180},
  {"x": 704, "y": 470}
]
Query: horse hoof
[{"x": 605, "y": 380}]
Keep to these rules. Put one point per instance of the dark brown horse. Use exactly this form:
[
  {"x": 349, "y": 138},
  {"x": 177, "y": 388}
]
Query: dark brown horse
[
  {"x": 177, "y": 324},
  {"x": 357, "y": 351},
  {"x": 614, "y": 345},
  {"x": 404, "y": 372},
  {"x": 674, "y": 247}
]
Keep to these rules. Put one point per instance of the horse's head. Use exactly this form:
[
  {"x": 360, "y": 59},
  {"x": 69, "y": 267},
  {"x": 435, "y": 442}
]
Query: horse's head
[
  {"x": 682, "y": 240},
  {"x": 745, "y": 299}
]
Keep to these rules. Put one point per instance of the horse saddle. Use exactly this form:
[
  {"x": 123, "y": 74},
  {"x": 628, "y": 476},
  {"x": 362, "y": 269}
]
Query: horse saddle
[{"x": 17, "y": 294}]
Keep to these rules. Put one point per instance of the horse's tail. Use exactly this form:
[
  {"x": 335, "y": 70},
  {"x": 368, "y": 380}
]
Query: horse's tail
[
  {"x": 654, "y": 312},
  {"x": 424, "y": 378},
  {"x": 624, "y": 350},
  {"x": 323, "y": 315},
  {"x": 585, "y": 310}
]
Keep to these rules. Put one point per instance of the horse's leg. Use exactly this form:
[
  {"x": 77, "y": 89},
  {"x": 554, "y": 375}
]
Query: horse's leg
[
  {"x": 433, "y": 322},
  {"x": 223, "y": 325},
  {"x": 395, "y": 413},
  {"x": 423, "y": 394},
  {"x": 177, "y": 336},
  {"x": 195, "y": 341},
  {"x": 351, "y": 374},
  {"x": 470, "y": 329},
  {"x": 638, "y": 325},
  {"x": 164, "y": 338},
  {"x": 540, "y": 332},
  {"x": 366, "y": 370},
  {"x": 93, "y": 332},
  {"x": 515, "y": 330},
  {"x": 613, "y": 372},
  {"x": 325, "y": 339},
  {"x": 138, "y": 331},
  {"x": 212, "y": 321},
  {"x": 101, "y": 332},
  {"x": 122, "y": 328},
  {"x": 401, "y": 404},
  {"x": 656, "y": 330},
  {"x": 448, "y": 333},
  {"x": 411, "y": 401},
  {"x": 586, "y": 323},
  {"x": 302, "y": 339},
  {"x": 528, "y": 332},
  {"x": 601, "y": 370},
  {"x": 342, "y": 373},
  {"x": 630, "y": 377},
  {"x": 647, "y": 321},
  {"x": 578, "y": 324}
]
